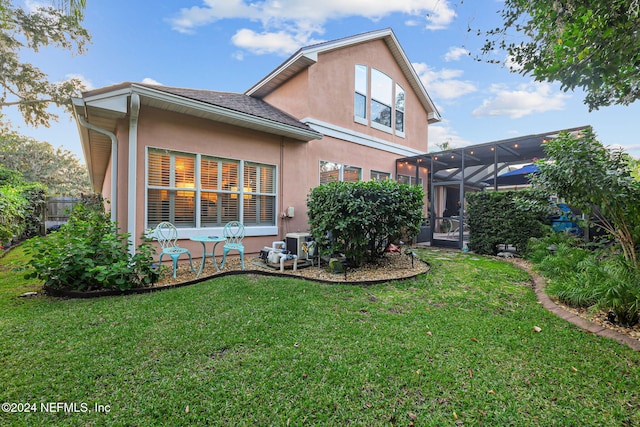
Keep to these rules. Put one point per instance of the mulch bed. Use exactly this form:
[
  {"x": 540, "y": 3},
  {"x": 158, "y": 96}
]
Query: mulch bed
[{"x": 393, "y": 266}]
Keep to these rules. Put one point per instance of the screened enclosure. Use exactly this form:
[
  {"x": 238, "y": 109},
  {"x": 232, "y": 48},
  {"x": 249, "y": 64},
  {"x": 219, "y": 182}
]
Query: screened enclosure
[{"x": 447, "y": 176}]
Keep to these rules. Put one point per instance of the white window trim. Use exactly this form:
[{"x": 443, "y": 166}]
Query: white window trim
[
  {"x": 367, "y": 121},
  {"x": 360, "y": 120},
  {"x": 381, "y": 127},
  {"x": 186, "y": 232},
  {"x": 372, "y": 171},
  {"x": 341, "y": 168}
]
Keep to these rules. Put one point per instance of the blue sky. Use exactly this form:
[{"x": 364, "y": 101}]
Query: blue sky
[{"x": 228, "y": 45}]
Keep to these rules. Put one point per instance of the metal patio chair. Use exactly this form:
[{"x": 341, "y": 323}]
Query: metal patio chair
[
  {"x": 167, "y": 236},
  {"x": 234, "y": 233}
]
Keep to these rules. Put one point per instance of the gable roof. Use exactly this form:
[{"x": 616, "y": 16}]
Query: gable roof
[
  {"x": 307, "y": 56},
  {"x": 237, "y": 102},
  {"x": 103, "y": 108}
]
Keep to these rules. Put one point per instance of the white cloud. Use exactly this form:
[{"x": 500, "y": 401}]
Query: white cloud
[
  {"x": 445, "y": 83},
  {"x": 511, "y": 64},
  {"x": 444, "y": 133},
  {"x": 526, "y": 99},
  {"x": 150, "y": 81},
  {"x": 190, "y": 18},
  {"x": 455, "y": 53},
  {"x": 279, "y": 42},
  {"x": 34, "y": 6},
  {"x": 288, "y": 22}
]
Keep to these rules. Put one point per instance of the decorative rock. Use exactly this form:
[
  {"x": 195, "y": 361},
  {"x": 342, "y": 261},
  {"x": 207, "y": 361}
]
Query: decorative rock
[{"x": 28, "y": 294}]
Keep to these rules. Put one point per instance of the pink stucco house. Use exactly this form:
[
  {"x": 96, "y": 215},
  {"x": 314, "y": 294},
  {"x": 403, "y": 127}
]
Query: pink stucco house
[{"x": 345, "y": 109}]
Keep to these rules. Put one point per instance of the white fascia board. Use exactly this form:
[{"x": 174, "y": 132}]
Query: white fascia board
[
  {"x": 349, "y": 135},
  {"x": 309, "y": 55},
  {"x": 434, "y": 115},
  {"x": 347, "y": 41},
  {"x": 300, "y": 56},
  {"x": 116, "y": 101},
  {"x": 224, "y": 112}
]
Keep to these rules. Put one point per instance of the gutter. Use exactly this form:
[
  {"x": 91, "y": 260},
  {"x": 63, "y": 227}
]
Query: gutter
[{"x": 114, "y": 160}]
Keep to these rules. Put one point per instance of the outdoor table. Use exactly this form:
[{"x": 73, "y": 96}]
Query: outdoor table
[{"x": 204, "y": 240}]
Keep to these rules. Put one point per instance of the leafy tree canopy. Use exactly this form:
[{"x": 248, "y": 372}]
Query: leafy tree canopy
[
  {"x": 589, "y": 175},
  {"x": 24, "y": 85},
  {"x": 589, "y": 44},
  {"x": 59, "y": 170}
]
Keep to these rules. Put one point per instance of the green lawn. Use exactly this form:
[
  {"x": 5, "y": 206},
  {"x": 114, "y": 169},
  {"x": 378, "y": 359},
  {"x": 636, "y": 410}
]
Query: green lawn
[{"x": 454, "y": 347}]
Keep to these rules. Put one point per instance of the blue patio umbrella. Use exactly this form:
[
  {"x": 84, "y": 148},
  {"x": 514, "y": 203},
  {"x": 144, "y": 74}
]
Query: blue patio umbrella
[{"x": 518, "y": 176}]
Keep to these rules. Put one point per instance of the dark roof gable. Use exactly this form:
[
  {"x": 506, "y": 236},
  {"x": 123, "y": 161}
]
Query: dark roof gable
[{"x": 234, "y": 101}]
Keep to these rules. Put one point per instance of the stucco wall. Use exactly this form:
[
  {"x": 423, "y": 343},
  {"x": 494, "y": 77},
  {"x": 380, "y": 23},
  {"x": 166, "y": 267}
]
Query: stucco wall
[
  {"x": 172, "y": 131},
  {"x": 323, "y": 92},
  {"x": 329, "y": 84}
]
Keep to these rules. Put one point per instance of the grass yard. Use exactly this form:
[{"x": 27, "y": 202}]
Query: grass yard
[{"x": 453, "y": 347}]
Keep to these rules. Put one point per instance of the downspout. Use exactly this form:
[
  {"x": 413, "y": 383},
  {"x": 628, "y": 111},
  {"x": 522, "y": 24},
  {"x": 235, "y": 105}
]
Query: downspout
[
  {"x": 114, "y": 163},
  {"x": 281, "y": 216},
  {"x": 133, "y": 151}
]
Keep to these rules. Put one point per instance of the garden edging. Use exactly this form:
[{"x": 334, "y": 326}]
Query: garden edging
[{"x": 590, "y": 327}]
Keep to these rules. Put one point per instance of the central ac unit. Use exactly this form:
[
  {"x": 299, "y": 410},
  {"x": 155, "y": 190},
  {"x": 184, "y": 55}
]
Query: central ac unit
[{"x": 294, "y": 243}]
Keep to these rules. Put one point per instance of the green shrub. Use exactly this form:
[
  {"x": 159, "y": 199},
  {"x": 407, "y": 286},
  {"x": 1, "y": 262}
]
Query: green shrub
[
  {"x": 588, "y": 276},
  {"x": 359, "y": 219},
  {"x": 88, "y": 253},
  {"x": 504, "y": 218},
  {"x": 22, "y": 206},
  {"x": 36, "y": 196},
  {"x": 12, "y": 212}
]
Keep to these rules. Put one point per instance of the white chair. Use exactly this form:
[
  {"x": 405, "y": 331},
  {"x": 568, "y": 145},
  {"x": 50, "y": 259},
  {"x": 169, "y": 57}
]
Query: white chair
[
  {"x": 455, "y": 226},
  {"x": 167, "y": 236}
]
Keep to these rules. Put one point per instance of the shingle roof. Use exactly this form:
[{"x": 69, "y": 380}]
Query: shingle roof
[{"x": 234, "y": 101}]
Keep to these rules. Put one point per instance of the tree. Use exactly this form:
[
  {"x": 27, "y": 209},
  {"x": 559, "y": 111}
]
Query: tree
[
  {"x": 24, "y": 85},
  {"x": 589, "y": 44},
  {"x": 587, "y": 174},
  {"x": 57, "y": 169}
]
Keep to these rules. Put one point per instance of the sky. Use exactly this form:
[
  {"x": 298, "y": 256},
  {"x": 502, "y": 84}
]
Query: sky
[{"x": 229, "y": 45}]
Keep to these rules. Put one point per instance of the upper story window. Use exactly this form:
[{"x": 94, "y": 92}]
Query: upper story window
[
  {"x": 383, "y": 99},
  {"x": 399, "y": 109},
  {"x": 360, "y": 97},
  {"x": 330, "y": 171}
]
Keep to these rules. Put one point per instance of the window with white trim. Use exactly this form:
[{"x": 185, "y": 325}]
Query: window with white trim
[
  {"x": 383, "y": 101},
  {"x": 381, "y": 96},
  {"x": 399, "y": 109},
  {"x": 380, "y": 176},
  {"x": 360, "y": 97},
  {"x": 330, "y": 171},
  {"x": 194, "y": 191}
]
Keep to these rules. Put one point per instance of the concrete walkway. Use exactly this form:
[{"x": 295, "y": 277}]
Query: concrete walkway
[{"x": 588, "y": 326}]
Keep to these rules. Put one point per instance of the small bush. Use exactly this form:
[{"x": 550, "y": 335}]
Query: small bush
[{"x": 87, "y": 253}]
